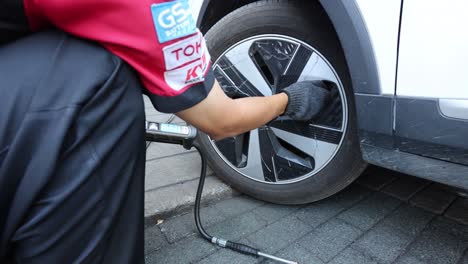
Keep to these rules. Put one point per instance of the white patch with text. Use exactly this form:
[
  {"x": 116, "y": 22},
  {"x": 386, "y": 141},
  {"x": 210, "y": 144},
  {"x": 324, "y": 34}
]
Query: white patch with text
[
  {"x": 184, "y": 51},
  {"x": 191, "y": 73}
]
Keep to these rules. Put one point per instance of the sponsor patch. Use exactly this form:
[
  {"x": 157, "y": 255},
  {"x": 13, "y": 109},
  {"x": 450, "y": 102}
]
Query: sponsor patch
[
  {"x": 173, "y": 20},
  {"x": 191, "y": 73},
  {"x": 184, "y": 51}
]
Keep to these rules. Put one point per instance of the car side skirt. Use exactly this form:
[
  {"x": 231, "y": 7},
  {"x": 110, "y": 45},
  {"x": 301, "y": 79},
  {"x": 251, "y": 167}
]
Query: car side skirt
[
  {"x": 432, "y": 169},
  {"x": 421, "y": 128}
]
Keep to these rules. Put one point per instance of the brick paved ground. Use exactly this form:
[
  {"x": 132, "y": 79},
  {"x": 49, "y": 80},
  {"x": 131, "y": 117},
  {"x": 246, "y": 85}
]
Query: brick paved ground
[{"x": 384, "y": 217}]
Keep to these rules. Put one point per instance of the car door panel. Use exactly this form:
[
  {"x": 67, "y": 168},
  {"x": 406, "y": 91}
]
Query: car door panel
[{"x": 433, "y": 54}]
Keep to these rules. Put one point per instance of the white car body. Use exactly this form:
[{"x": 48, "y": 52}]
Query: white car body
[{"x": 433, "y": 54}]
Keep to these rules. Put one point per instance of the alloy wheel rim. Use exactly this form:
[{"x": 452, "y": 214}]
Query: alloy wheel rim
[{"x": 283, "y": 151}]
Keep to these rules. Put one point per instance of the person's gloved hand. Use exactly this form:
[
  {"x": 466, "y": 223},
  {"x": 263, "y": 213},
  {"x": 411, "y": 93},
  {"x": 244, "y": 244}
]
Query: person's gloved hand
[{"x": 306, "y": 99}]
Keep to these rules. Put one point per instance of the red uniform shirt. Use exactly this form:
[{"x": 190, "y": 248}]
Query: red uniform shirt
[{"x": 158, "y": 38}]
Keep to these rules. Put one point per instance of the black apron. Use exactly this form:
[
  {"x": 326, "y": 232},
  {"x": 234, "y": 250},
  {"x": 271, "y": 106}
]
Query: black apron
[{"x": 72, "y": 150}]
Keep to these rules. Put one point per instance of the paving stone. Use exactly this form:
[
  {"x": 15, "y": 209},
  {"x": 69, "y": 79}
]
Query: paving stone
[
  {"x": 290, "y": 229},
  {"x": 185, "y": 251},
  {"x": 178, "y": 227},
  {"x": 376, "y": 178},
  {"x": 266, "y": 241},
  {"x": 405, "y": 187},
  {"x": 330, "y": 239},
  {"x": 161, "y": 150},
  {"x": 181, "y": 226},
  {"x": 149, "y": 108},
  {"x": 237, "y": 205},
  {"x": 296, "y": 252},
  {"x": 227, "y": 256},
  {"x": 321, "y": 211},
  {"x": 352, "y": 256},
  {"x": 155, "y": 116},
  {"x": 434, "y": 198},
  {"x": 464, "y": 260},
  {"x": 383, "y": 243},
  {"x": 367, "y": 213},
  {"x": 169, "y": 171},
  {"x": 278, "y": 235},
  {"x": 406, "y": 259},
  {"x": 209, "y": 216},
  {"x": 147, "y": 101},
  {"x": 273, "y": 212},
  {"x": 178, "y": 120},
  {"x": 154, "y": 239},
  {"x": 458, "y": 211},
  {"x": 177, "y": 198},
  {"x": 459, "y": 191},
  {"x": 237, "y": 227},
  {"x": 152, "y": 114},
  {"x": 439, "y": 243},
  {"x": 449, "y": 226},
  {"x": 408, "y": 219},
  {"x": 351, "y": 195}
]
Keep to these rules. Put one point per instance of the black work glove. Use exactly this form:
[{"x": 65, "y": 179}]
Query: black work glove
[{"x": 306, "y": 99}]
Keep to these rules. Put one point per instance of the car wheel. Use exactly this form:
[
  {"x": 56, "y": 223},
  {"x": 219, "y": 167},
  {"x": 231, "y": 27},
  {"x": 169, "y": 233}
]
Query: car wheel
[{"x": 258, "y": 50}]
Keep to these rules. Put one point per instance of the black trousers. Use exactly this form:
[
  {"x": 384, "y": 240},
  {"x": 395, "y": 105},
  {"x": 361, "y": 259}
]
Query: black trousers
[{"x": 72, "y": 153}]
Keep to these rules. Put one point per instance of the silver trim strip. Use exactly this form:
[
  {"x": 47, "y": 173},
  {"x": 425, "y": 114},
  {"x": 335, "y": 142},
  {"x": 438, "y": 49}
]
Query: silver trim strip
[{"x": 454, "y": 108}]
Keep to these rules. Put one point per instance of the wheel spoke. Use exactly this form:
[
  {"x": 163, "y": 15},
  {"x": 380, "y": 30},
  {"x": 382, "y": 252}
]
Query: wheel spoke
[
  {"x": 243, "y": 68},
  {"x": 253, "y": 167},
  {"x": 317, "y": 69},
  {"x": 233, "y": 149},
  {"x": 230, "y": 88},
  {"x": 295, "y": 68},
  {"x": 274, "y": 58},
  {"x": 321, "y": 151},
  {"x": 268, "y": 154},
  {"x": 324, "y": 134},
  {"x": 280, "y": 160}
]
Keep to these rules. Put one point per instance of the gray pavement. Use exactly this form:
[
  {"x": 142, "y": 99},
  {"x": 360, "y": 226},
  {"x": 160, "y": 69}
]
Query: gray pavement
[{"x": 384, "y": 217}]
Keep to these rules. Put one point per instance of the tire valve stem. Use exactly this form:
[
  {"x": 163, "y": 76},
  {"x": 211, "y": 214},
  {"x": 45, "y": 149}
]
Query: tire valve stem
[{"x": 244, "y": 249}]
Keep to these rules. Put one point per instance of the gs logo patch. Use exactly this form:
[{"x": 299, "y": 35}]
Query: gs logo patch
[{"x": 173, "y": 20}]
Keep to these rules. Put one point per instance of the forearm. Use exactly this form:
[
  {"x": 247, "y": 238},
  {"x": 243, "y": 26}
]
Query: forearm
[
  {"x": 221, "y": 117},
  {"x": 252, "y": 112}
]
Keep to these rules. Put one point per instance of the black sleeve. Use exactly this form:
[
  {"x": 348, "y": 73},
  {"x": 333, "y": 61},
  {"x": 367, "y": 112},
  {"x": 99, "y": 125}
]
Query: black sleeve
[
  {"x": 13, "y": 21},
  {"x": 197, "y": 93}
]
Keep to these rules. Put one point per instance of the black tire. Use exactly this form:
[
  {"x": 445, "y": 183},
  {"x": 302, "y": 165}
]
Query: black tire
[{"x": 306, "y": 22}]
